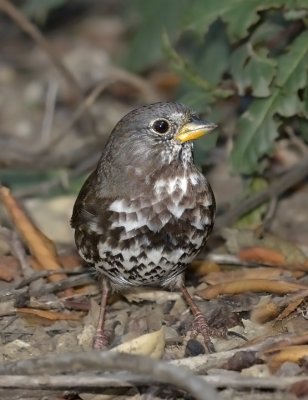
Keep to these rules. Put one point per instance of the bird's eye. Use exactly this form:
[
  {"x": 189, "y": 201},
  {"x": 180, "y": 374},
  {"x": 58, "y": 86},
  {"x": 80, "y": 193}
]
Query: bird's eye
[{"x": 161, "y": 126}]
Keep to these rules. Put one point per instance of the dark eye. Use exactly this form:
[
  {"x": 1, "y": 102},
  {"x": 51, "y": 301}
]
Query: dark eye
[{"x": 161, "y": 126}]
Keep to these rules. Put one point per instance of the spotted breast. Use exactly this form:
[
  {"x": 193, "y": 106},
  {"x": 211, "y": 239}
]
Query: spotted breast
[{"x": 149, "y": 238}]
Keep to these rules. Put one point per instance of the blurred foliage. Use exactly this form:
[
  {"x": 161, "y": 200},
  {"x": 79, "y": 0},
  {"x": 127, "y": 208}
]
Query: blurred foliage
[
  {"x": 38, "y": 10},
  {"x": 251, "y": 50}
]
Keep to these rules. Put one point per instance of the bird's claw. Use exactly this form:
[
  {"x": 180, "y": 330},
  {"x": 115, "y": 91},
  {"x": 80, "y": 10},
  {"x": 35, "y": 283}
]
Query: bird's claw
[
  {"x": 100, "y": 341},
  {"x": 200, "y": 326}
]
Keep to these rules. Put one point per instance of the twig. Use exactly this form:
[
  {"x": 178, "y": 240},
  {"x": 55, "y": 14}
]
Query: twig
[
  {"x": 50, "y": 103},
  {"x": 115, "y": 74},
  {"x": 269, "y": 215},
  {"x": 275, "y": 189},
  {"x": 238, "y": 381},
  {"x": 17, "y": 249},
  {"x": 149, "y": 92},
  {"x": 83, "y": 106},
  {"x": 89, "y": 383},
  {"x": 45, "y": 187},
  {"x": 73, "y": 362},
  {"x": 45, "y": 274},
  {"x": 67, "y": 283},
  {"x": 205, "y": 362},
  {"x": 84, "y": 279}
]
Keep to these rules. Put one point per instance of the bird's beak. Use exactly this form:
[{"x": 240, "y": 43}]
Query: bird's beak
[{"x": 194, "y": 130}]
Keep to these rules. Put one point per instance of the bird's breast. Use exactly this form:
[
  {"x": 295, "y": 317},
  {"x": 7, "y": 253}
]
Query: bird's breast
[{"x": 150, "y": 238}]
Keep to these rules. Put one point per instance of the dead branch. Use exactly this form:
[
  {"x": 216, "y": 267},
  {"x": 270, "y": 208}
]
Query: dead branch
[
  {"x": 90, "y": 383},
  {"x": 72, "y": 362},
  {"x": 276, "y": 188},
  {"x": 17, "y": 249},
  {"x": 81, "y": 280}
]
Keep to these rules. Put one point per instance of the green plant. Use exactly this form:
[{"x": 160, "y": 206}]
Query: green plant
[{"x": 254, "y": 50}]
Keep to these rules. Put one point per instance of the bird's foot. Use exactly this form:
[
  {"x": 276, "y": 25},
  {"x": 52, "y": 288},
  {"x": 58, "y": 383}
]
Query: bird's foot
[
  {"x": 100, "y": 341},
  {"x": 200, "y": 326}
]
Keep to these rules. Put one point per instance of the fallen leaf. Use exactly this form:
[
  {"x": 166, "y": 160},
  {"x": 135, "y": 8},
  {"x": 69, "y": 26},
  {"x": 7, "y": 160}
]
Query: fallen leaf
[
  {"x": 250, "y": 285},
  {"x": 265, "y": 312},
  {"x": 249, "y": 273},
  {"x": 152, "y": 345},
  {"x": 35, "y": 316},
  {"x": 237, "y": 240},
  {"x": 289, "y": 309},
  {"x": 290, "y": 354},
  {"x": 262, "y": 255},
  {"x": 157, "y": 296},
  {"x": 201, "y": 268},
  {"x": 9, "y": 269},
  {"x": 42, "y": 248}
]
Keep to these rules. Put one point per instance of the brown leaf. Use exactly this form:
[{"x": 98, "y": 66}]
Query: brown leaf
[
  {"x": 44, "y": 317},
  {"x": 42, "y": 248},
  {"x": 265, "y": 312},
  {"x": 290, "y": 353},
  {"x": 248, "y": 273},
  {"x": 262, "y": 255},
  {"x": 201, "y": 268},
  {"x": 290, "y": 308},
  {"x": 249, "y": 285},
  {"x": 9, "y": 268}
]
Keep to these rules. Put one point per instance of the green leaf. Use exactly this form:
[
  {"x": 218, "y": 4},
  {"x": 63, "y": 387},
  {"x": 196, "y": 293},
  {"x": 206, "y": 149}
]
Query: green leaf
[
  {"x": 239, "y": 15},
  {"x": 214, "y": 51},
  {"x": 257, "y": 129},
  {"x": 251, "y": 70},
  {"x": 290, "y": 105},
  {"x": 256, "y": 133},
  {"x": 292, "y": 66},
  {"x": 156, "y": 17}
]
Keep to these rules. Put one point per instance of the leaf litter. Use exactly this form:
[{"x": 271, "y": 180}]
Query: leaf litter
[{"x": 262, "y": 304}]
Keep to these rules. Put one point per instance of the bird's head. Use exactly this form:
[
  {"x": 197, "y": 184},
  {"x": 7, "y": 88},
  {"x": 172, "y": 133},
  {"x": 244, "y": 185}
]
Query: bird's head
[{"x": 159, "y": 133}]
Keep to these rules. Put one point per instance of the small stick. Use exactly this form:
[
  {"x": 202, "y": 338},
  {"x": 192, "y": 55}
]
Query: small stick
[{"x": 93, "y": 360}]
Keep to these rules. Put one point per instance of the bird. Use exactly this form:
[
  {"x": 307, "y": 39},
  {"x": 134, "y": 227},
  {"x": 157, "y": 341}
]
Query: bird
[{"x": 146, "y": 210}]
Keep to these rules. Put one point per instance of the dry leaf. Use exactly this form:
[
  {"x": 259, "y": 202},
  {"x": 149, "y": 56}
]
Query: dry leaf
[
  {"x": 290, "y": 353},
  {"x": 40, "y": 246},
  {"x": 248, "y": 273},
  {"x": 152, "y": 345},
  {"x": 262, "y": 255},
  {"x": 8, "y": 268},
  {"x": 37, "y": 316},
  {"x": 289, "y": 309},
  {"x": 201, "y": 268},
  {"x": 157, "y": 296},
  {"x": 265, "y": 312},
  {"x": 249, "y": 285}
]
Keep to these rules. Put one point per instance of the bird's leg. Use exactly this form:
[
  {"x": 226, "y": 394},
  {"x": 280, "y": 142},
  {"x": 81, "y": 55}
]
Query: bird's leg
[
  {"x": 200, "y": 324},
  {"x": 100, "y": 338}
]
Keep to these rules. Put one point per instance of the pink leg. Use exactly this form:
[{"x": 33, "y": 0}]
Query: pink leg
[
  {"x": 100, "y": 338},
  {"x": 200, "y": 324}
]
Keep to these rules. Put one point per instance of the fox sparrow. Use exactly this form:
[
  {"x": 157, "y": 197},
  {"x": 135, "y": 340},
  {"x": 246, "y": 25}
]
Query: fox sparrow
[{"x": 145, "y": 212}]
